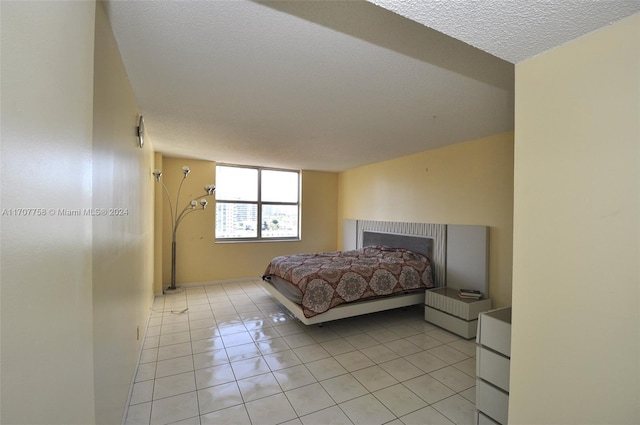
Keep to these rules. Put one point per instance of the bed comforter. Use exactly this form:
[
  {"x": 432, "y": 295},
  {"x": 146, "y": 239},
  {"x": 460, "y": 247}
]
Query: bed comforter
[{"x": 329, "y": 279}]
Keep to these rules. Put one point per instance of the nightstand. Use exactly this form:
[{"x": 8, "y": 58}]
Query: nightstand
[{"x": 444, "y": 308}]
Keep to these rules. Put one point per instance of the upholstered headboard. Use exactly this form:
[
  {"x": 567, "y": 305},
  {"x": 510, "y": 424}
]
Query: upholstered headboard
[{"x": 419, "y": 244}]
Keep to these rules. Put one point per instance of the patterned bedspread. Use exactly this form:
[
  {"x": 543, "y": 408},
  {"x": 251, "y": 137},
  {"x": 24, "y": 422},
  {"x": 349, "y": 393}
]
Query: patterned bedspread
[{"x": 329, "y": 279}]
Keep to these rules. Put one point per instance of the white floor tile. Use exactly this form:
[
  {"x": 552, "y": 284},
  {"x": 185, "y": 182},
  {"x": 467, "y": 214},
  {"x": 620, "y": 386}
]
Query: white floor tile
[
  {"x": 299, "y": 340},
  {"x": 469, "y": 394},
  {"x": 325, "y": 368},
  {"x": 201, "y": 324},
  {"x": 366, "y": 410},
  {"x": 176, "y": 350},
  {"x": 309, "y": 399},
  {"x": 174, "y": 385},
  {"x": 332, "y": 415},
  {"x": 444, "y": 336},
  {"x": 236, "y": 356},
  {"x": 427, "y": 415},
  {"x": 425, "y": 361},
  {"x": 453, "y": 378},
  {"x": 354, "y": 360},
  {"x": 258, "y": 387},
  {"x": 429, "y": 389},
  {"x": 175, "y": 338},
  {"x": 374, "y": 378},
  {"x": 401, "y": 369},
  {"x": 361, "y": 341},
  {"x": 148, "y": 356},
  {"x": 146, "y": 372},
  {"x": 322, "y": 333},
  {"x": 250, "y": 367},
  {"x": 399, "y": 400},
  {"x": 237, "y": 339},
  {"x": 448, "y": 354},
  {"x": 337, "y": 346},
  {"x": 343, "y": 388},
  {"x": 311, "y": 353},
  {"x": 174, "y": 366},
  {"x": 467, "y": 366},
  {"x": 139, "y": 414},
  {"x": 236, "y": 415},
  {"x": 243, "y": 352},
  {"x": 270, "y": 410},
  {"x": 424, "y": 341},
  {"x": 219, "y": 397},
  {"x": 379, "y": 353},
  {"x": 282, "y": 360},
  {"x": 403, "y": 347},
  {"x": 210, "y": 358},
  {"x": 214, "y": 375},
  {"x": 272, "y": 345},
  {"x": 294, "y": 377},
  {"x": 207, "y": 344},
  {"x": 142, "y": 392},
  {"x": 457, "y": 409},
  {"x": 173, "y": 409},
  {"x": 468, "y": 347}
]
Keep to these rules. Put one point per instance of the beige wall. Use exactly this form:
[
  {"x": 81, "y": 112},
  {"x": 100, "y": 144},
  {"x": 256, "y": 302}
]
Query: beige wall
[
  {"x": 122, "y": 245},
  {"x": 46, "y": 294},
  {"x": 200, "y": 259},
  {"x": 576, "y": 293},
  {"x": 467, "y": 183}
]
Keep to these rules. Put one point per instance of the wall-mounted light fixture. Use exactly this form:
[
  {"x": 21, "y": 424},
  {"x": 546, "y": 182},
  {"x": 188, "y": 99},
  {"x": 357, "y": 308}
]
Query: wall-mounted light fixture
[
  {"x": 176, "y": 219},
  {"x": 141, "y": 131}
]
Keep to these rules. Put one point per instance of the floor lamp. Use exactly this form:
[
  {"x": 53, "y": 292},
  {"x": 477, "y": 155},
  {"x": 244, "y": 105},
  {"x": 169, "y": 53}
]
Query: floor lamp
[{"x": 176, "y": 219}]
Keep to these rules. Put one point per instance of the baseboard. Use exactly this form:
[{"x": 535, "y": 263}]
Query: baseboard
[{"x": 214, "y": 282}]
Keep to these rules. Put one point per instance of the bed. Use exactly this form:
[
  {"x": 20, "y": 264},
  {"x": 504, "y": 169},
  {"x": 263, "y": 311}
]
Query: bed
[{"x": 388, "y": 270}]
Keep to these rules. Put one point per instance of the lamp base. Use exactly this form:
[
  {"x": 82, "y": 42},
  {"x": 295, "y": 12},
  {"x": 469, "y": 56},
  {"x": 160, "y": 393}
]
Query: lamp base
[{"x": 169, "y": 291}]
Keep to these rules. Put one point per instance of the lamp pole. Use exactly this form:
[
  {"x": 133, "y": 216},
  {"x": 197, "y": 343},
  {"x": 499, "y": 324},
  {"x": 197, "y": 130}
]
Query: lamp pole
[{"x": 176, "y": 219}]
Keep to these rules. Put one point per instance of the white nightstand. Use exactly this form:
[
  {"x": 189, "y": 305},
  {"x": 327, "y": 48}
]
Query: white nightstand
[{"x": 444, "y": 308}]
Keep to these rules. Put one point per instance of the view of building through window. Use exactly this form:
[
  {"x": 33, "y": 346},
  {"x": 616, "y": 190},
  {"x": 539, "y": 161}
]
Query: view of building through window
[{"x": 257, "y": 203}]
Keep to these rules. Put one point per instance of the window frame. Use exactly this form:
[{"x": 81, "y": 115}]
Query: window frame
[{"x": 259, "y": 205}]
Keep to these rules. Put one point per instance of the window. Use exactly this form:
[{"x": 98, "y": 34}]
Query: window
[{"x": 255, "y": 203}]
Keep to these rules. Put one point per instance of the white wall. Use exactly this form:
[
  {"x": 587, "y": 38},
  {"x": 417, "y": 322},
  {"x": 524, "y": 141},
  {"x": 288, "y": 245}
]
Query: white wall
[
  {"x": 46, "y": 292},
  {"x": 576, "y": 279}
]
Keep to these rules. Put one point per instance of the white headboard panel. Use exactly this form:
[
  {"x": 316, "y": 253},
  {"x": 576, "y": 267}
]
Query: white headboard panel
[{"x": 468, "y": 257}]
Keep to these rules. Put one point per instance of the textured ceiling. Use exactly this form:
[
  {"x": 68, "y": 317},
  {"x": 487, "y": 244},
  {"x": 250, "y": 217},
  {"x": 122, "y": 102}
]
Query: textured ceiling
[
  {"x": 320, "y": 85},
  {"x": 513, "y": 30}
]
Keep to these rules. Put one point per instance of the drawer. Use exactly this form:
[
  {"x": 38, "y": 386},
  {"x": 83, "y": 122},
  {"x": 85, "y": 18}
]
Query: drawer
[
  {"x": 493, "y": 367},
  {"x": 482, "y": 419},
  {"x": 494, "y": 330},
  {"x": 492, "y": 402},
  {"x": 464, "y": 328}
]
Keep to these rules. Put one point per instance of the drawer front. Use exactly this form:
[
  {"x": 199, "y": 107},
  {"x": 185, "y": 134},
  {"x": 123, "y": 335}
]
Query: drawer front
[
  {"x": 492, "y": 401},
  {"x": 466, "y": 329},
  {"x": 447, "y": 301},
  {"x": 495, "y": 334},
  {"x": 493, "y": 367},
  {"x": 483, "y": 419}
]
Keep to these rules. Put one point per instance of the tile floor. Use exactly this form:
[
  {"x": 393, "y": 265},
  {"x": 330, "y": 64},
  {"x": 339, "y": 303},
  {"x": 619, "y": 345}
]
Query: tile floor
[{"x": 236, "y": 356}]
